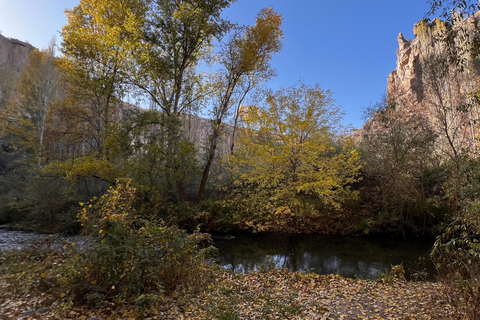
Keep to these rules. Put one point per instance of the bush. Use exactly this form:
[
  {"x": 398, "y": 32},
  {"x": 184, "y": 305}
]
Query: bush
[
  {"x": 456, "y": 255},
  {"x": 130, "y": 259}
]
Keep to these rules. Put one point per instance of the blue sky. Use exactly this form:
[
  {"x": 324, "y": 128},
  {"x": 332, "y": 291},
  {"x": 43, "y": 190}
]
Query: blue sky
[{"x": 346, "y": 46}]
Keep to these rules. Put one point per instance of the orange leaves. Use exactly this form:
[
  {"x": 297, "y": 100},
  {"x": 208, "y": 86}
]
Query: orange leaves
[
  {"x": 261, "y": 40},
  {"x": 285, "y": 295}
]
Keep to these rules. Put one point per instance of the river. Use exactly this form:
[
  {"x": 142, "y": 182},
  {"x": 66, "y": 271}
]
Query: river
[
  {"x": 17, "y": 240},
  {"x": 346, "y": 256}
]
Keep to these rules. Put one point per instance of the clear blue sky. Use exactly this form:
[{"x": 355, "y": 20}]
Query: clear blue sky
[{"x": 346, "y": 46}]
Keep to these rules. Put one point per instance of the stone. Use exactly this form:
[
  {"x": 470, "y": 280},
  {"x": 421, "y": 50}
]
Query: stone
[
  {"x": 405, "y": 82},
  {"x": 428, "y": 86},
  {"x": 14, "y": 53}
]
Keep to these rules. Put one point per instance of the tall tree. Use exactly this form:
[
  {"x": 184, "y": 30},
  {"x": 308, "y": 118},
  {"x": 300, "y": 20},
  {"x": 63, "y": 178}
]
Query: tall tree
[
  {"x": 98, "y": 42},
  {"x": 288, "y": 150},
  {"x": 398, "y": 154},
  {"x": 177, "y": 35},
  {"x": 245, "y": 58}
]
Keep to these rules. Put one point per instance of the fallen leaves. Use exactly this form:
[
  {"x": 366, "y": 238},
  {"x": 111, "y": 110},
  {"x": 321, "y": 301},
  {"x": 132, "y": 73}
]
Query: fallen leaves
[
  {"x": 263, "y": 295},
  {"x": 286, "y": 295}
]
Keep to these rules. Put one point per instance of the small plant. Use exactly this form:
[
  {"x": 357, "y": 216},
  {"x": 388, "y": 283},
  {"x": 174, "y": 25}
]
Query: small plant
[
  {"x": 227, "y": 313},
  {"x": 396, "y": 272}
]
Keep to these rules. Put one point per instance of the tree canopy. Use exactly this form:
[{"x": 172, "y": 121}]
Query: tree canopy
[{"x": 290, "y": 149}]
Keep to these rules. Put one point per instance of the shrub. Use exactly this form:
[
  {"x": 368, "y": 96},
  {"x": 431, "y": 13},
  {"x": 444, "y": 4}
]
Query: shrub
[
  {"x": 130, "y": 259},
  {"x": 456, "y": 255}
]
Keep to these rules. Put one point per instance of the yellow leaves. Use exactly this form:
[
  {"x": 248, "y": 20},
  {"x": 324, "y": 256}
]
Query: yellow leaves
[
  {"x": 83, "y": 167},
  {"x": 94, "y": 282},
  {"x": 178, "y": 14},
  {"x": 288, "y": 150},
  {"x": 259, "y": 42},
  {"x": 285, "y": 211}
]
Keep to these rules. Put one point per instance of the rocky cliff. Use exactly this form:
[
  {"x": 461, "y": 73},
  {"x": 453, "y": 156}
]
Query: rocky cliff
[
  {"x": 435, "y": 86},
  {"x": 411, "y": 79},
  {"x": 404, "y": 79},
  {"x": 13, "y": 57},
  {"x": 14, "y": 53}
]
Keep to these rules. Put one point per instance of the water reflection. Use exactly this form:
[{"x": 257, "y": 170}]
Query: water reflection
[{"x": 346, "y": 256}]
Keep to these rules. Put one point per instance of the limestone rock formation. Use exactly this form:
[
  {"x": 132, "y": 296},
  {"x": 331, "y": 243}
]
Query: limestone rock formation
[
  {"x": 13, "y": 57},
  {"x": 407, "y": 82},
  {"x": 437, "y": 79},
  {"x": 14, "y": 53},
  {"x": 404, "y": 80}
]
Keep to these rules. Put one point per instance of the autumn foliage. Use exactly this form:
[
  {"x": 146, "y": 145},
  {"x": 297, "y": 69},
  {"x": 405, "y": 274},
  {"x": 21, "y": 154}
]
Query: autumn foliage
[{"x": 130, "y": 259}]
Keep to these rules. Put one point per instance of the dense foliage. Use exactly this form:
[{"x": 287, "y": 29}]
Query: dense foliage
[
  {"x": 125, "y": 101},
  {"x": 114, "y": 130},
  {"x": 78, "y": 130},
  {"x": 291, "y": 165},
  {"x": 130, "y": 259}
]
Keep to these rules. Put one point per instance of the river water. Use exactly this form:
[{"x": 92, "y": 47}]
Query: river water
[
  {"x": 17, "y": 240},
  {"x": 346, "y": 256}
]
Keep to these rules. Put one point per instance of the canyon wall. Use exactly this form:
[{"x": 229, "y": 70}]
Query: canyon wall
[
  {"x": 14, "y": 53},
  {"x": 436, "y": 83},
  {"x": 13, "y": 57},
  {"x": 413, "y": 76}
]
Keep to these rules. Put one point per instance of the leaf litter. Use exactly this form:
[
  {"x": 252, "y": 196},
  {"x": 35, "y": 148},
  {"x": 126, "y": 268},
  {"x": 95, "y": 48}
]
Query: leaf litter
[{"x": 276, "y": 294}]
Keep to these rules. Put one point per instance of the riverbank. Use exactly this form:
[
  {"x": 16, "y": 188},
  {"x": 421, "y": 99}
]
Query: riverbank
[
  {"x": 264, "y": 295},
  {"x": 29, "y": 289}
]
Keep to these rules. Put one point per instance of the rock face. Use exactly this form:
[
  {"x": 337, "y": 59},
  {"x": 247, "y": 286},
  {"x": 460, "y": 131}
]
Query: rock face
[
  {"x": 407, "y": 82},
  {"x": 436, "y": 86},
  {"x": 404, "y": 80},
  {"x": 14, "y": 53}
]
